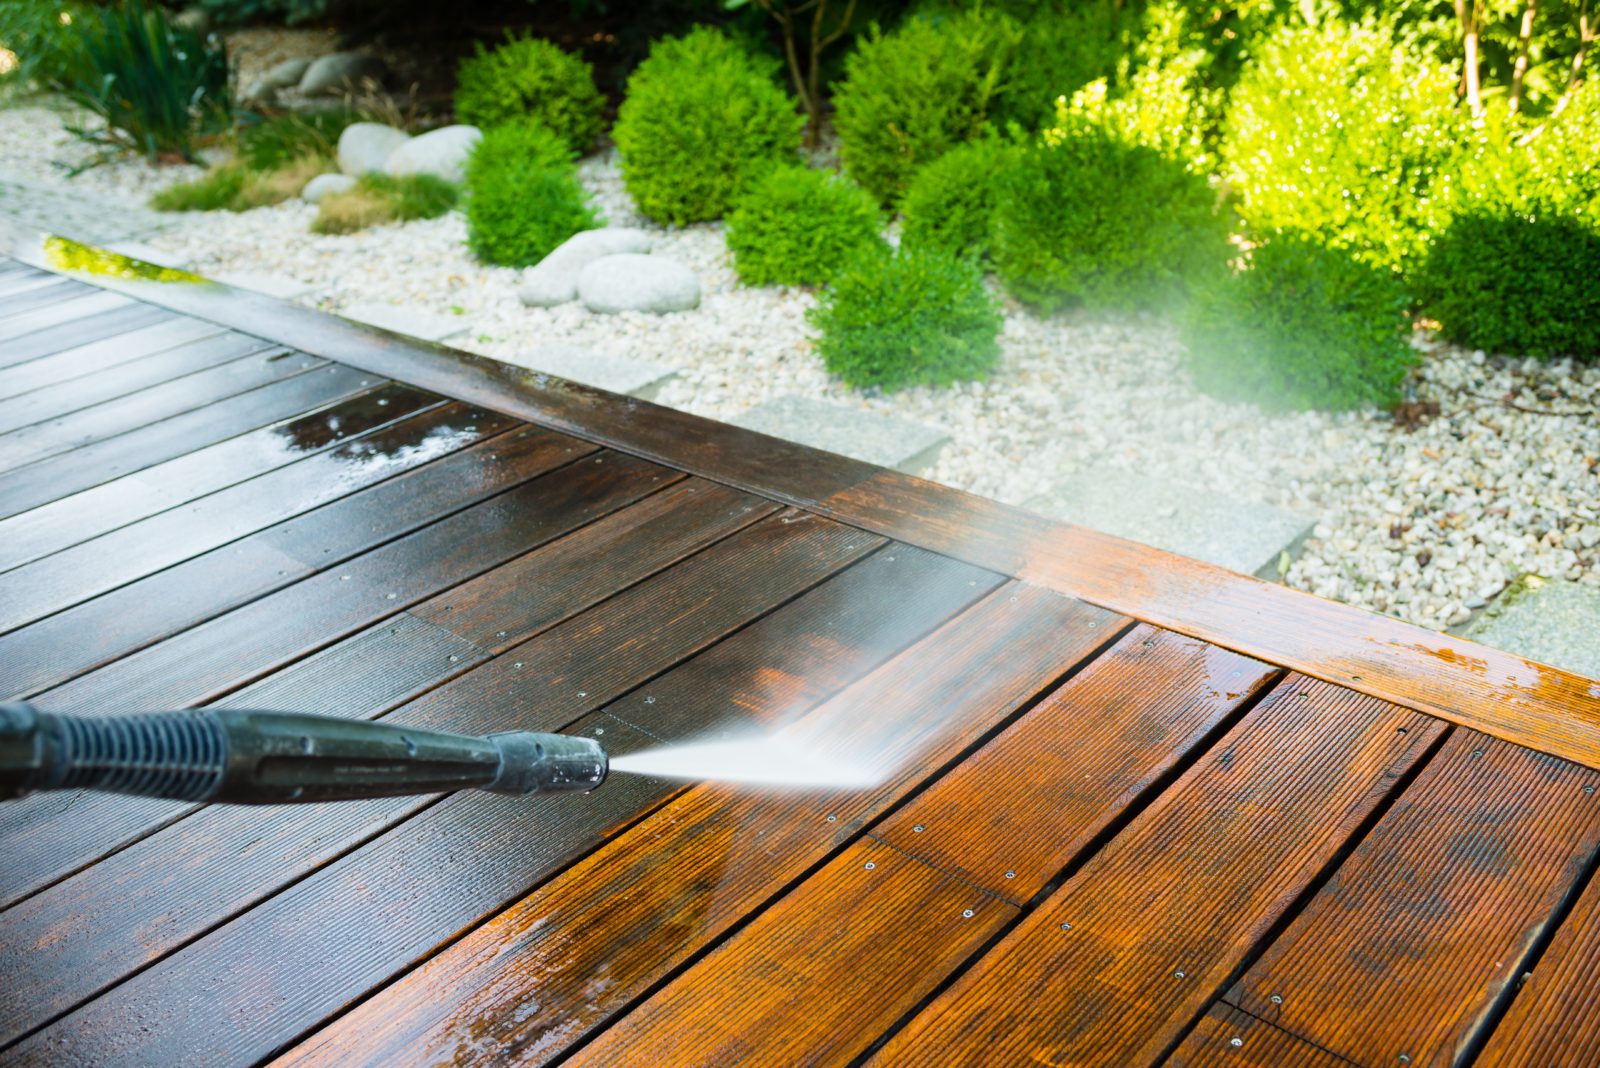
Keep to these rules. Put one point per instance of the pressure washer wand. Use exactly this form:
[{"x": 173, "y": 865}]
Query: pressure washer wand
[{"x": 267, "y": 758}]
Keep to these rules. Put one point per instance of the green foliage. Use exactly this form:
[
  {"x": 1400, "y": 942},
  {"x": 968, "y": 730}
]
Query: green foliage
[
  {"x": 523, "y": 195},
  {"x": 702, "y": 119},
  {"x": 1086, "y": 218},
  {"x": 1516, "y": 284},
  {"x": 45, "y": 40},
  {"x": 378, "y": 199},
  {"x": 529, "y": 78},
  {"x": 238, "y": 187},
  {"x": 1058, "y": 50},
  {"x": 951, "y": 202},
  {"x": 1304, "y": 326},
  {"x": 795, "y": 226},
  {"x": 1345, "y": 132},
  {"x": 916, "y": 316},
  {"x": 1544, "y": 166},
  {"x": 268, "y": 144},
  {"x": 158, "y": 87},
  {"x": 911, "y": 95}
]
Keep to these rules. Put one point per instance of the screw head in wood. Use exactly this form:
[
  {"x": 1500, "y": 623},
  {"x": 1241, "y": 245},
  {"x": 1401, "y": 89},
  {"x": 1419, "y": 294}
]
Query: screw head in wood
[
  {"x": 967, "y": 913},
  {"x": 1236, "y": 1042}
]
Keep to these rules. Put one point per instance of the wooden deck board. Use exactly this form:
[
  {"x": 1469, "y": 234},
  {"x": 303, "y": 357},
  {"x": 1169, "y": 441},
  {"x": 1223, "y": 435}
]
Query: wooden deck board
[{"x": 1257, "y": 867}]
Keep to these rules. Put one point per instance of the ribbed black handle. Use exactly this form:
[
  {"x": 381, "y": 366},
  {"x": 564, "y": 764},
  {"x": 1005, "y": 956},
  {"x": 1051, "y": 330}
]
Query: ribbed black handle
[{"x": 176, "y": 755}]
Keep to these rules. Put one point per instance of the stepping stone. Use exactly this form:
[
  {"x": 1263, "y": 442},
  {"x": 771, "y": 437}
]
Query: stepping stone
[
  {"x": 1552, "y": 621},
  {"x": 273, "y": 285},
  {"x": 854, "y": 432},
  {"x": 409, "y": 321},
  {"x": 1240, "y": 535},
  {"x": 603, "y": 370}
]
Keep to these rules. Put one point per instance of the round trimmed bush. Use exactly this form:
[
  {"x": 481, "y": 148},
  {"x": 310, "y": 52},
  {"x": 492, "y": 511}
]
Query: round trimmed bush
[
  {"x": 951, "y": 202},
  {"x": 523, "y": 195},
  {"x": 702, "y": 118},
  {"x": 1343, "y": 131},
  {"x": 1527, "y": 285},
  {"x": 530, "y": 78},
  {"x": 796, "y": 225},
  {"x": 911, "y": 95},
  {"x": 895, "y": 318},
  {"x": 1303, "y": 326},
  {"x": 1085, "y": 218}
]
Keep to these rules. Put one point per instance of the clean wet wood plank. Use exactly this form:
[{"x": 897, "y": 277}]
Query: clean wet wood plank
[
  {"x": 1113, "y": 967},
  {"x": 565, "y": 960},
  {"x": 97, "y": 357},
  {"x": 13, "y": 304},
  {"x": 141, "y": 613},
  {"x": 18, "y": 352},
  {"x": 1406, "y": 953},
  {"x": 76, "y": 308}
]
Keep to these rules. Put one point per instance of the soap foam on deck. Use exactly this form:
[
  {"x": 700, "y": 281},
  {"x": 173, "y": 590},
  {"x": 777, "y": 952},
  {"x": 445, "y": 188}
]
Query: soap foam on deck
[{"x": 762, "y": 761}]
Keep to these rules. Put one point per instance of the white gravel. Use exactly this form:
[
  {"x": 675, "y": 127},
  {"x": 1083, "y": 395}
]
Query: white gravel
[{"x": 1425, "y": 525}]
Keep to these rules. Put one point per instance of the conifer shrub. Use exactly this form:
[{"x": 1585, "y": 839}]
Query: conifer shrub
[
  {"x": 796, "y": 225},
  {"x": 913, "y": 316},
  {"x": 950, "y": 204},
  {"x": 1302, "y": 326},
  {"x": 701, "y": 120},
  {"x": 523, "y": 195},
  {"x": 529, "y": 78}
]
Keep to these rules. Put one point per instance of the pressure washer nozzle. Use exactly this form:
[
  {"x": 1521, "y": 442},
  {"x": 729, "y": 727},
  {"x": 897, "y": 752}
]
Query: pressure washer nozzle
[{"x": 264, "y": 758}]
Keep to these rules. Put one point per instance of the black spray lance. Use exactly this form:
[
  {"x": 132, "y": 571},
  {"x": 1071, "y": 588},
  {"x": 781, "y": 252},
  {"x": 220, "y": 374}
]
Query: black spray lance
[{"x": 266, "y": 758}]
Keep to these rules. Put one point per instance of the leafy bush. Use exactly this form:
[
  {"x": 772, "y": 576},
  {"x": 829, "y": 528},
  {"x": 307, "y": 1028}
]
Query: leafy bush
[
  {"x": 1343, "y": 131},
  {"x": 1059, "y": 50},
  {"x": 378, "y": 199},
  {"x": 1304, "y": 326},
  {"x": 268, "y": 144},
  {"x": 1520, "y": 284},
  {"x": 908, "y": 317},
  {"x": 43, "y": 40},
  {"x": 911, "y": 95},
  {"x": 796, "y": 225},
  {"x": 238, "y": 187},
  {"x": 1085, "y": 218},
  {"x": 523, "y": 195},
  {"x": 951, "y": 202},
  {"x": 158, "y": 87},
  {"x": 701, "y": 119},
  {"x": 530, "y": 78}
]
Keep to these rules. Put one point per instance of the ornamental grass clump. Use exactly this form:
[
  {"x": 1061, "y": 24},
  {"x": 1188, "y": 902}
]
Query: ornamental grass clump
[
  {"x": 523, "y": 195},
  {"x": 702, "y": 119},
  {"x": 912, "y": 316},
  {"x": 530, "y": 79},
  {"x": 1084, "y": 218},
  {"x": 796, "y": 225},
  {"x": 1302, "y": 326},
  {"x": 238, "y": 187},
  {"x": 950, "y": 204},
  {"x": 378, "y": 199}
]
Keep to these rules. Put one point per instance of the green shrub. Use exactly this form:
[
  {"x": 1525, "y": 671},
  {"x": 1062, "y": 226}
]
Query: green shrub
[
  {"x": 1085, "y": 218},
  {"x": 1304, "y": 326},
  {"x": 1343, "y": 131},
  {"x": 523, "y": 195},
  {"x": 1060, "y": 50},
  {"x": 530, "y": 78},
  {"x": 909, "y": 317},
  {"x": 1527, "y": 285},
  {"x": 951, "y": 202},
  {"x": 795, "y": 226},
  {"x": 702, "y": 118},
  {"x": 158, "y": 87},
  {"x": 378, "y": 199},
  {"x": 44, "y": 39},
  {"x": 911, "y": 95}
]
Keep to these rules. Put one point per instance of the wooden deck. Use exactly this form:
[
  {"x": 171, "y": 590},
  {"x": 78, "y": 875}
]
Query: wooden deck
[{"x": 1136, "y": 810}]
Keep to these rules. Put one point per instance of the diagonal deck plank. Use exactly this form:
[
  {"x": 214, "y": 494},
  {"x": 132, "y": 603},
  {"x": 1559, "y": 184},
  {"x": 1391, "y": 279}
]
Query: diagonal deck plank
[
  {"x": 1228, "y": 1038},
  {"x": 19, "y": 352},
  {"x": 95, "y": 357}
]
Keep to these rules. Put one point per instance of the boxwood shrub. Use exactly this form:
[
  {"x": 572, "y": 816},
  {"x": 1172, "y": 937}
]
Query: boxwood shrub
[
  {"x": 796, "y": 225},
  {"x": 530, "y": 78},
  {"x": 1303, "y": 326},
  {"x": 912, "y": 316},
  {"x": 523, "y": 195},
  {"x": 701, "y": 119},
  {"x": 951, "y": 202}
]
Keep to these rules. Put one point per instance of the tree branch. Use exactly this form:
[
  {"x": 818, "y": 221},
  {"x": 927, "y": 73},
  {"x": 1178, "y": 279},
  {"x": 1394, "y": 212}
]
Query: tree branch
[{"x": 1520, "y": 70}]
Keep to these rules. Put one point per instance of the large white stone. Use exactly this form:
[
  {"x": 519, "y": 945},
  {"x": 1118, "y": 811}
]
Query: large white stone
[
  {"x": 442, "y": 153},
  {"x": 603, "y": 370},
  {"x": 324, "y": 185},
  {"x": 366, "y": 146},
  {"x": 554, "y": 279},
  {"x": 341, "y": 72},
  {"x": 634, "y": 282}
]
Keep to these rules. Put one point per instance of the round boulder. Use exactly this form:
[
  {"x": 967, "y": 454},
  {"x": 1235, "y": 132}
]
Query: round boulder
[
  {"x": 366, "y": 146},
  {"x": 634, "y": 282},
  {"x": 285, "y": 75},
  {"x": 554, "y": 279},
  {"x": 341, "y": 72},
  {"x": 324, "y": 185},
  {"x": 442, "y": 153}
]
